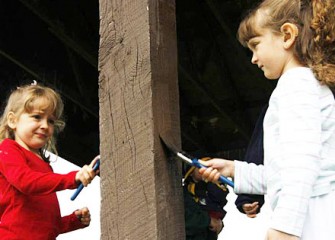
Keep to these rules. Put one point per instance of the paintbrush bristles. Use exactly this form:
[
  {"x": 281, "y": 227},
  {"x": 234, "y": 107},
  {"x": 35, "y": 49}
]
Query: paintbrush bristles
[{"x": 168, "y": 144}]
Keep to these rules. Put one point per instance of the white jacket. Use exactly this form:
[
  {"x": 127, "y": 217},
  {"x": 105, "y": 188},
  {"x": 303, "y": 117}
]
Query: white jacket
[{"x": 299, "y": 150}]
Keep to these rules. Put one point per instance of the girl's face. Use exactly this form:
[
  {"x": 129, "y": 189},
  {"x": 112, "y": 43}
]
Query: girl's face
[
  {"x": 32, "y": 130},
  {"x": 270, "y": 52}
]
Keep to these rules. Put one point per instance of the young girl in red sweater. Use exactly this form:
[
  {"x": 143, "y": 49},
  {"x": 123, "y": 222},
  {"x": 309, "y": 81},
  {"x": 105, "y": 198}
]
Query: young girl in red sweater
[{"x": 29, "y": 207}]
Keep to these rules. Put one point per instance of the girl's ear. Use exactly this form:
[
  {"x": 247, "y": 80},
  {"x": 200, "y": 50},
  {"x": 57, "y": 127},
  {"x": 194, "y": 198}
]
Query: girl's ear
[
  {"x": 11, "y": 120},
  {"x": 290, "y": 32}
]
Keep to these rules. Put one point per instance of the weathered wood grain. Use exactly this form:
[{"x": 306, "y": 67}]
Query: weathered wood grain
[{"x": 138, "y": 94}]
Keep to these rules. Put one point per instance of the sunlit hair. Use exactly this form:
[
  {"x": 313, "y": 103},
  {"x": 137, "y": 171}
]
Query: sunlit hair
[
  {"x": 315, "y": 20},
  {"x": 28, "y": 98}
]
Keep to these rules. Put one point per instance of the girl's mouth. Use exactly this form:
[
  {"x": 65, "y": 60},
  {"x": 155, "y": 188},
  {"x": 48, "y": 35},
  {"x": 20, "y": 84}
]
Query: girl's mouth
[{"x": 41, "y": 135}]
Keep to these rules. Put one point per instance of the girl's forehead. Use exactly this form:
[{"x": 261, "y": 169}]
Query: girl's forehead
[
  {"x": 41, "y": 105},
  {"x": 259, "y": 21},
  {"x": 252, "y": 26},
  {"x": 258, "y": 25}
]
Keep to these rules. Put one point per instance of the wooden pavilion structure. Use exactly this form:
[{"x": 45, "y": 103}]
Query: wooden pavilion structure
[{"x": 129, "y": 70}]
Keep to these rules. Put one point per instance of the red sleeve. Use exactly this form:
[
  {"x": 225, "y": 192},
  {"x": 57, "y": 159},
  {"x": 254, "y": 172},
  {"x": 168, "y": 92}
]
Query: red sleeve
[
  {"x": 71, "y": 223},
  {"x": 30, "y": 174}
]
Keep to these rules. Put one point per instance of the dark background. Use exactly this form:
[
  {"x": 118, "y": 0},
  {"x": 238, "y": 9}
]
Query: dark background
[{"x": 56, "y": 42}]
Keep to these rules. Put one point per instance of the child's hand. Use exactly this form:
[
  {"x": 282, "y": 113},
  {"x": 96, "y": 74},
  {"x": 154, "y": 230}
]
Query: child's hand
[
  {"x": 216, "y": 225},
  {"x": 217, "y": 167},
  {"x": 273, "y": 234},
  {"x": 251, "y": 209},
  {"x": 83, "y": 215},
  {"x": 86, "y": 174},
  {"x": 196, "y": 175}
]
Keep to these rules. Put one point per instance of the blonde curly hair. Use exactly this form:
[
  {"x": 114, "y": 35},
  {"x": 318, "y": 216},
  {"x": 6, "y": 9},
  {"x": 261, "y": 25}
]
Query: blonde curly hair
[{"x": 23, "y": 100}]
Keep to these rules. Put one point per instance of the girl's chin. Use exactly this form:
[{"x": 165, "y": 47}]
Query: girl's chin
[
  {"x": 270, "y": 76},
  {"x": 37, "y": 146}
]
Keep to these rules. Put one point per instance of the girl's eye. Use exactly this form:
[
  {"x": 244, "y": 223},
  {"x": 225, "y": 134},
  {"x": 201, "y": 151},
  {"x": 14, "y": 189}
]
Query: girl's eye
[
  {"x": 253, "y": 45},
  {"x": 36, "y": 116},
  {"x": 51, "y": 121}
]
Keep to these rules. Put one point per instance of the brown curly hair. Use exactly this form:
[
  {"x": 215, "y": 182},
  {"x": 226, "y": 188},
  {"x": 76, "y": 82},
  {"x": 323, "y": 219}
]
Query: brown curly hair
[{"x": 315, "y": 20}]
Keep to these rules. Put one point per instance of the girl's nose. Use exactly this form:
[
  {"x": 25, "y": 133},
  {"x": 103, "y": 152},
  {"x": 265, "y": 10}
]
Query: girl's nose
[
  {"x": 254, "y": 59},
  {"x": 44, "y": 123}
]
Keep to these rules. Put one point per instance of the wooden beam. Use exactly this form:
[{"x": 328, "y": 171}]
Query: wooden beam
[{"x": 138, "y": 95}]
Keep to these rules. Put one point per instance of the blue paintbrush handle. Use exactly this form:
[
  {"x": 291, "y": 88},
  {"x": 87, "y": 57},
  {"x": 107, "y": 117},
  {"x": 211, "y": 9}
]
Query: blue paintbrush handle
[
  {"x": 222, "y": 179},
  {"x": 76, "y": 193},
  {"x": 81, "y": 186}
]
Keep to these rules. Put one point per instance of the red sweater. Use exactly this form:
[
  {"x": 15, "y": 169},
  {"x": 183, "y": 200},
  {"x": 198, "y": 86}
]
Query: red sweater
[{"x": 29, "y": 208}]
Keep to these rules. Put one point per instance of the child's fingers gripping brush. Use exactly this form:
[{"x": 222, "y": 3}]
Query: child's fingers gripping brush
[
  {"x": 195, "y": 162},
  {"x": 191, "y": 161},
  {"x": 81, "y": 186}
]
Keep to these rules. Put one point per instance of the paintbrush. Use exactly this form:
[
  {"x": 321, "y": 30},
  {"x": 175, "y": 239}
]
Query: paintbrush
[
  {"x": 81, "y": 186},
  {"x": 171, "y": 149}
]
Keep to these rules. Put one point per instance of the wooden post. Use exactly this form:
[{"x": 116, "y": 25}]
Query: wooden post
[{"x": 138, "y": 92}]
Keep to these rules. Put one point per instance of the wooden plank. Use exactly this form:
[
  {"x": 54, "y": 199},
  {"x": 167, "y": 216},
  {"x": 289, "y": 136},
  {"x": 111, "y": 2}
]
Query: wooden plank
[{"x": 138, "y": 94}]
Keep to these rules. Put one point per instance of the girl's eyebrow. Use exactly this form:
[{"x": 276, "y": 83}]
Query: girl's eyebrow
[
  {"x": 42, "y": 112},
  {"x": 254, "y": 36},
  {"x": 37, "y": 112},
  {"x": 252, "y": 41}
]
